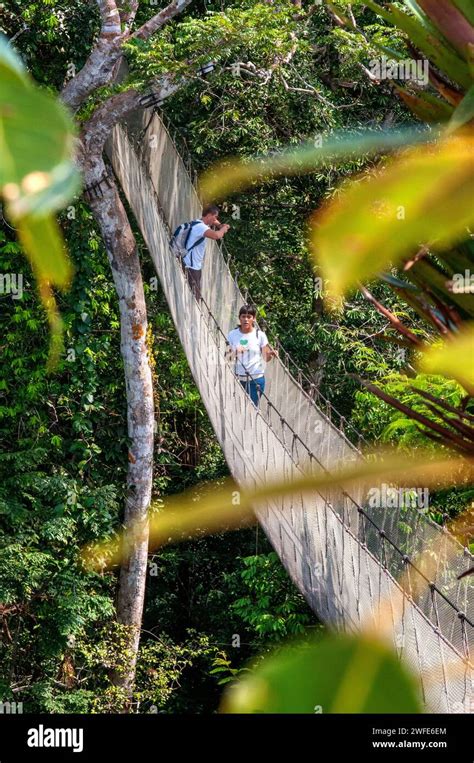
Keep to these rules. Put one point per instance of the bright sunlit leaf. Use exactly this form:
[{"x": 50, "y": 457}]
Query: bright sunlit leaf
[
  {"x": 234, "y": 175},
  {"x": 231, "y": 507},
  {"x": 37, "y": 177},
  {"x": 422, "y": 197},
  {"x": 454, "y": 358},
  {"x": 464, "y": 113}
]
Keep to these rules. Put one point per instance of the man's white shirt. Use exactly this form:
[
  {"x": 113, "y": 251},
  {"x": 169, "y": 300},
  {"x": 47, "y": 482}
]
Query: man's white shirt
[
  {"x": 249, "y": 358},
  {"x": 196, "y": 256}
]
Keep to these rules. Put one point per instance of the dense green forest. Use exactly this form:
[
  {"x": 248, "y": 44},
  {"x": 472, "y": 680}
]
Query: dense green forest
[{"x": 214, "y": 602}]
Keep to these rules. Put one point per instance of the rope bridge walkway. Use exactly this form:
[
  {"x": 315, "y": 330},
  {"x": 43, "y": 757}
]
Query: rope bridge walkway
[{"x": 344, "y": 555}]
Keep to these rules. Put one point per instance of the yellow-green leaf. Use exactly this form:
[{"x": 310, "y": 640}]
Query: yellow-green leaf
[
  {"x": 231, "y": 507},
  {"x": 43, "y": 243},
  {"x": 464, "y": 113},
  {"x": 454, "y": 358},
  {"x": 422, "y": 197},
  {"x": 234, "y": 175}
]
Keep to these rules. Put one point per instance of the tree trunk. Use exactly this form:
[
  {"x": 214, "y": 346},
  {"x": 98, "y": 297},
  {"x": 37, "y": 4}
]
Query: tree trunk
[
  {"x": 101, "y": 67},
  {"x": 122, "y": 253}
]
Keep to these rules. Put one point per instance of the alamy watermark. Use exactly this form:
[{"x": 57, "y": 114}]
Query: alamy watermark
[
  {"x": 385, "y": 496},
  {"x": 11, "y": 708},
  {"x": 51, "y": 737},
  {"x": 462, "y": 283},
  {"x": 407, "y": 70},
  {"x": 12, "y": 283}
]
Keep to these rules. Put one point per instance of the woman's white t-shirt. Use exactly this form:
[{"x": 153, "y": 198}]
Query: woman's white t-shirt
[{"x": 249, "y": 348}]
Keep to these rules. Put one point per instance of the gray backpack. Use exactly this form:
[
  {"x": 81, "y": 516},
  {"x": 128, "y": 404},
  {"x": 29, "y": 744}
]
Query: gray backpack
[{"x": 180, "y": 238}]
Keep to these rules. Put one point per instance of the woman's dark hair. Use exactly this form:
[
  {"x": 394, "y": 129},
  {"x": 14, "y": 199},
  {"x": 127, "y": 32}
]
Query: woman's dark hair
[
  {"x": 248, "y": 309},
  {"x": 211, "y": 209}
]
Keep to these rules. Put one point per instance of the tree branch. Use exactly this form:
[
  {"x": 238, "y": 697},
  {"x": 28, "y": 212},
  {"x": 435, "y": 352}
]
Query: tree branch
[
  {"x": 100, "y": 65},
  {"x": 395, "y": 322},
  {"x": 160, "y": 19},
  {"x": 443, "y": 404},
  {"x": 448, "y": 437},
  {"x": 110, "y": 18}
]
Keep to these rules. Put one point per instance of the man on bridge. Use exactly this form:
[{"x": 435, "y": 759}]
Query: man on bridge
[{"x": 196, "y": 245}]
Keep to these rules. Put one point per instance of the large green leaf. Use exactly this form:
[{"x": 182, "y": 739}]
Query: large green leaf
[
  {"x": 466, "y": 7},
  {"x": 426, "y": 106},
  {"x": 453, "y": 358},
  {"x": 339, "y": 674},
  {"x": 464, "y": 113},
  {"x": 37, "y": 176},
  {"x": 37, "y": 172},
  {"x": 11, "y": 65},
  {"x": 422, "y": 197}
]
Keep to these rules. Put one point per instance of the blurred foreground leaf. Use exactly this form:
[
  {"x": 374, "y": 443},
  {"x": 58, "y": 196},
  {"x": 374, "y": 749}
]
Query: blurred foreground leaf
[
  {"x": 231, "y": 507},
  {"x": 234, "y": 175},
  {"x": 339, "y": 674},
  {"x": 37, "y": 176},
  {"x": 453, "y": 358},
  {"x": 422, "y": 197}
]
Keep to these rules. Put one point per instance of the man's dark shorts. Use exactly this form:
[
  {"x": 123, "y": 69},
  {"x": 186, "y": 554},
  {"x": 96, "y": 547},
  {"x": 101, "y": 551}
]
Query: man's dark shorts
[{"x": 194, "y": 280}]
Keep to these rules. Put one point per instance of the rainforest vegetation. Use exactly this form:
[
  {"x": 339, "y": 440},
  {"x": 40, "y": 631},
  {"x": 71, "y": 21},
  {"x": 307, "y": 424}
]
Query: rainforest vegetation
[{"x": 215, "y": 602}]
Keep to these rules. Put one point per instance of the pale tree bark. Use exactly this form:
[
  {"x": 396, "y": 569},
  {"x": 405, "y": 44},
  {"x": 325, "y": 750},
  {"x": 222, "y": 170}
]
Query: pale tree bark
[
  {"x": 100, "y": 65},
  {"x": 124, "y": 261},
  {"x": 122, "y": 254},
  {"x": 121, "y": 249}
]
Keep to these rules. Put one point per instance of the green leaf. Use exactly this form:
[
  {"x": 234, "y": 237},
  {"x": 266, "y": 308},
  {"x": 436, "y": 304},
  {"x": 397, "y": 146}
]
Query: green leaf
[
  {"x": 37, "y": 177},
  {"x": 426, "y": 106},
  {"x": 41, "y": 239},
  {"x": 339, "y": 674},
  {"x": 35, "y": 134},
  {"x": 413, "y": 6},
  {"x": 453, "y": 358},
  {"x": 11, "y": 65},
  {"x": 464, "y": 112},
  {"x": 422, "y": 197},
  {"x": 466, "y": 7},
  {"x": 37, "y": 172}
]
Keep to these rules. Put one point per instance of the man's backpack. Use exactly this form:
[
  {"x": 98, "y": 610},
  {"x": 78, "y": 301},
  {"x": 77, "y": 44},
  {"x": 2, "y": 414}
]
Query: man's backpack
[{"x": 180, "y": 238}]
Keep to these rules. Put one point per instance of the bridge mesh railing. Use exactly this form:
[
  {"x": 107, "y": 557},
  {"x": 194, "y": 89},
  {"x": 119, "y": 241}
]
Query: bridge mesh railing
[{"x": 344, "y": 560}]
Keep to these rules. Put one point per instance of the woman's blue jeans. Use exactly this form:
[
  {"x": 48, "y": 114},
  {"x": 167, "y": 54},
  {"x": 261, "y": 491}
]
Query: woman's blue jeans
[{"x": 254, "y": 388}]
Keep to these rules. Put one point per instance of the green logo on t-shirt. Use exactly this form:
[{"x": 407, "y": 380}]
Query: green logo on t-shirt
[{"x": 244, "y": 341}]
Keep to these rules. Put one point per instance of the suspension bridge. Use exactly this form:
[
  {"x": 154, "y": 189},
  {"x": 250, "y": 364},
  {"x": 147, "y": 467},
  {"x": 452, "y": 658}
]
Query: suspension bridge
[{"x": 346, "y": 557}]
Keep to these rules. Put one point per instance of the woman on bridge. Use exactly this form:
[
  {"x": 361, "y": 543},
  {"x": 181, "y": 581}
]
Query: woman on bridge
[{"x": 250, "y": 349}]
